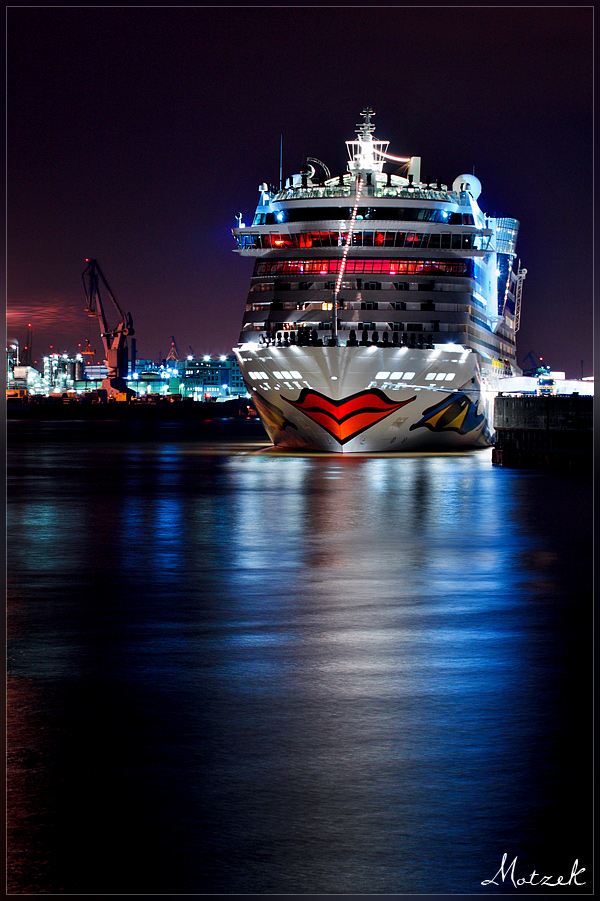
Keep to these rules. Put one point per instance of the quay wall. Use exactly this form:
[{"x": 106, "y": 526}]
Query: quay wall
[
  {"x": 164, "y": 409},
  {"x": 543, "y": 431}
]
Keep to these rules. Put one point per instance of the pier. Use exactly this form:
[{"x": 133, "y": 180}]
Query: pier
[{"x": 543, "y": 431}]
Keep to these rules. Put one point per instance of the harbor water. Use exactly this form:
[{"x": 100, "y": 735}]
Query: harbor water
[{"x": 238, "y": 671}]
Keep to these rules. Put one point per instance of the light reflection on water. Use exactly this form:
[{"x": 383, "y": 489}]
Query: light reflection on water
[{"x": 245, "y": 672}]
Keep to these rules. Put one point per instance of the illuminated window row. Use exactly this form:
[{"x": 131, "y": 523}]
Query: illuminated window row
[
  {"x": 407, "y": 376},
  {"x": 440, "y": 376},
  {"x": 480, "y": 322},
  {"x": 379, "y": 325},
  {"x": 284, "y": 374},
  {"x": 416, "y": 240},
  {"x": 391, "y": 267},
  {"x": 408, "y": 214},
  {"x": 431, "y": 376}
]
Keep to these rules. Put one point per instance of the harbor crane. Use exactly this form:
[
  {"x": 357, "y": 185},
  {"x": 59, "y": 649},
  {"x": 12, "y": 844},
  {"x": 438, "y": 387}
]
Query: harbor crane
[
  {"x": 173, "y": 354},
  {"x": 537, "y": 364},
  {"x": 114, "y": 339}
]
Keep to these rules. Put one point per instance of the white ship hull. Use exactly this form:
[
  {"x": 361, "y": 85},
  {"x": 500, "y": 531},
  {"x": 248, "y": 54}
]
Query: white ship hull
[{"x": 369, "y": 399}]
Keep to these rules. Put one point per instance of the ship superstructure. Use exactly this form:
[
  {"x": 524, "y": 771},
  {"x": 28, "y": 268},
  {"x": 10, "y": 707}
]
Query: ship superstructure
[{"x": 382, "y": 309}]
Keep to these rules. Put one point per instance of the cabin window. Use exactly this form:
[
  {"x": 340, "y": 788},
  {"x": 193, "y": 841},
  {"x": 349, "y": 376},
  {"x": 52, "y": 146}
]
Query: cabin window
[
  {"x": 388, "y": 267},
  {"x": 324, "y": 239}
]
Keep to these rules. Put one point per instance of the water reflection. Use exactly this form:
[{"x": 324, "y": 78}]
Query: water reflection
[
  {"x": 260, "y": 673},
  {"x": 409, "y": 639}
]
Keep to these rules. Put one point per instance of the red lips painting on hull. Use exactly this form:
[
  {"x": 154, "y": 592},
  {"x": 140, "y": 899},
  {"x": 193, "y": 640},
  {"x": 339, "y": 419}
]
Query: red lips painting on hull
[{"x": 346, "y": 418}]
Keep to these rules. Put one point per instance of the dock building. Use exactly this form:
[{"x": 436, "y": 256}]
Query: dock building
[{"x": 205, "y": 378}]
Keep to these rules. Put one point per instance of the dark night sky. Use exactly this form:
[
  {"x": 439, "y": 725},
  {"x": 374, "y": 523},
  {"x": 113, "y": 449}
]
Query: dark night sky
[{"x": 136, "y": 134}]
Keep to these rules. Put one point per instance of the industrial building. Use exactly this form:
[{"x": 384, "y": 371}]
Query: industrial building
[{"x": 206, "y": 378}]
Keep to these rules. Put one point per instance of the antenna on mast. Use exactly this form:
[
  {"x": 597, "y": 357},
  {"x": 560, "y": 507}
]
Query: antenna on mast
[
  {"x": 280, "y": 162},
  {"x": 367, "y": 127}
]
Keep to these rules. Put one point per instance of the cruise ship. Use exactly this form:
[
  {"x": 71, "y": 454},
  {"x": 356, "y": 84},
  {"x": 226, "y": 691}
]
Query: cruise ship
[{"x": 383, "y": 307}]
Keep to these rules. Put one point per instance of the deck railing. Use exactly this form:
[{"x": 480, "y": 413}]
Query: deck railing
[{"x": 318, "y": 192}]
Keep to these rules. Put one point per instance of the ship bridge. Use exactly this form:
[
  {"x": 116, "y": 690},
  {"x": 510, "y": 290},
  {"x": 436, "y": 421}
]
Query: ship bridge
[{"x": 367, "y": 155}]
